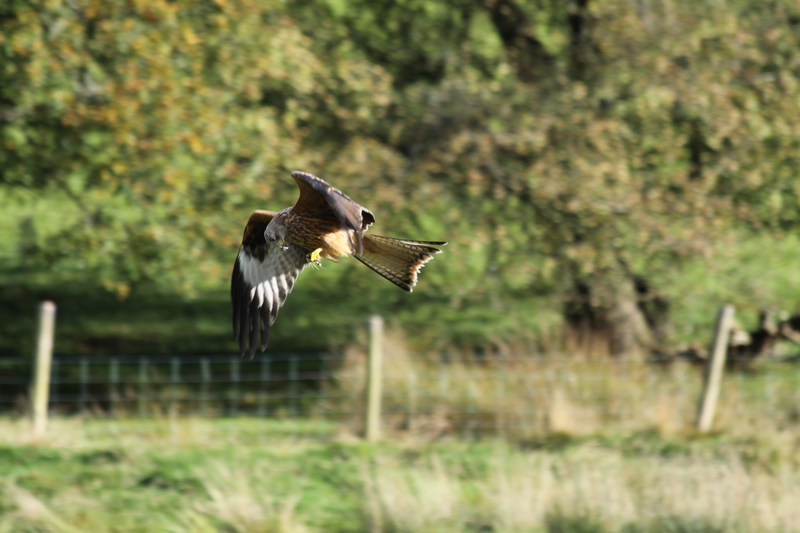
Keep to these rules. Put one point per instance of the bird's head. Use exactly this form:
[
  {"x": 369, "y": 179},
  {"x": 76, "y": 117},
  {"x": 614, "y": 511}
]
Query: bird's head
[{"x": 276, "y": 229}]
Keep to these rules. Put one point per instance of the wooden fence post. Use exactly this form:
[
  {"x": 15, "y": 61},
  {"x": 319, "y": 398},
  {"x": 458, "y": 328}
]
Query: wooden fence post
[
  {"x": 714, "y": 367},
  {"x": 374, "y": 381},
  {"x": 40, "y": 388}
]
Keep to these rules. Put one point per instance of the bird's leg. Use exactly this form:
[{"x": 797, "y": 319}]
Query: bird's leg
[
  {"x": 313, "y": 257},
  {"x": 284, "y": 246}
]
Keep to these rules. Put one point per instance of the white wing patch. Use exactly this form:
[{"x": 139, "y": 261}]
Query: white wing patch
[
  {"x": 261, "y": 289},
  {"x": 272, "y": 279}
]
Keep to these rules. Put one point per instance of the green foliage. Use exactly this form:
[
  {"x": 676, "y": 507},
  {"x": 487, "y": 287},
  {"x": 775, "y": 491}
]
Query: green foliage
[
  {"x": 552, "y": 143},
  {"x": 733, "y": 272},
  {"x": 154, "y": 120}
]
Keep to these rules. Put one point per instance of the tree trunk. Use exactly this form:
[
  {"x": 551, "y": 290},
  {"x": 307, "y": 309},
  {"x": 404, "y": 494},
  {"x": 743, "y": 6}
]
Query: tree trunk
[{"x": 613, "y": 313}]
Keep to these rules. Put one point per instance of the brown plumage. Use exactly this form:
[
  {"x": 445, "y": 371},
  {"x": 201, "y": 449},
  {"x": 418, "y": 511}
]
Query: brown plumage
[{"x": 323, "y": 223}]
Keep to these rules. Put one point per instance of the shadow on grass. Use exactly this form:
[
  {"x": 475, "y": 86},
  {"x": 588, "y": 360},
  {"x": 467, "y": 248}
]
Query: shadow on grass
[
  {"x": 566, "y": 523},
  {"x": 675, "y": 524},
  {"x": 150, "y": 321},
  {"x": 91, "y": 321}
]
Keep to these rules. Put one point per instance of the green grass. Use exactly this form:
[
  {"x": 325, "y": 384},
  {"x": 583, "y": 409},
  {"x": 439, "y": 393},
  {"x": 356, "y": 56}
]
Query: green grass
[{"x": 252, "y": 475}]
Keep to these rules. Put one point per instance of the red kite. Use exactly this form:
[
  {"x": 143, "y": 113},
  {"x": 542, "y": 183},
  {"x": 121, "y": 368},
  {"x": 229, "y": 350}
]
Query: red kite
[{"x": 323, "y": 223}]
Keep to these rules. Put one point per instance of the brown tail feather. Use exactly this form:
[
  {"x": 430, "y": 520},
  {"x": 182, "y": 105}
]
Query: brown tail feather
[{"x": 397, "y": 260}]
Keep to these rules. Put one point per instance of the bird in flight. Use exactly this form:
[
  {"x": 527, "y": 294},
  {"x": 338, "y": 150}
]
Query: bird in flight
[{"x": 323, "y": 223}]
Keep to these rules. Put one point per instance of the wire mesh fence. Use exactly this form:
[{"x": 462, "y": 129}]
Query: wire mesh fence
[
  {"x": 288, "y": 385},
  {"x": 430, "y": 395}
]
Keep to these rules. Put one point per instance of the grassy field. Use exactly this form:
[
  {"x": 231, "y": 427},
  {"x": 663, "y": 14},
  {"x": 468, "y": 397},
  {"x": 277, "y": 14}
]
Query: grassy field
[
  {"x": 248, "y": 475},
  {"x": 528, "y": 444}
]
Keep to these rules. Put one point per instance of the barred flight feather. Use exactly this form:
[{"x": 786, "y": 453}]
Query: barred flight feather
[
  {"x": 259, "y": 286},
  {"x": 397, "y": 260}
]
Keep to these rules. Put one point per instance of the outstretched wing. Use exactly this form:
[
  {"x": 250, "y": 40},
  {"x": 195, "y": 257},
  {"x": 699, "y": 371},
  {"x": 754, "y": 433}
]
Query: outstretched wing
[
  {"x": 319, "y": 199},
  {"x": 263, "y": 277}
]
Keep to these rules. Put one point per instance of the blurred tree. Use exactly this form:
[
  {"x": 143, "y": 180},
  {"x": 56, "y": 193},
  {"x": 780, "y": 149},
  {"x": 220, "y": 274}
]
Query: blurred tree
[
  {"x": 161, "y": 119},
  {"x": 615, "y": 133},
  {"x": 571, "y": 151}
]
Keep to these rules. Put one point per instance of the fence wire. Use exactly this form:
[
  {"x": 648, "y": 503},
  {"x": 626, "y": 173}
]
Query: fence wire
[
  {"x": 508, "y": 396},
  {"x": 290, "y": 384}
]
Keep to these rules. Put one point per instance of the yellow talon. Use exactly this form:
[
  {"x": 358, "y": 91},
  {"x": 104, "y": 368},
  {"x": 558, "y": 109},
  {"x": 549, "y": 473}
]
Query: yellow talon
[{"x": 313, "y": 257}]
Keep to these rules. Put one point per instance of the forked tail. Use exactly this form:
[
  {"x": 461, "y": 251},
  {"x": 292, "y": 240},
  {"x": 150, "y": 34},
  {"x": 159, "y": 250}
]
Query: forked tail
[{"x": 397, "y": 260}]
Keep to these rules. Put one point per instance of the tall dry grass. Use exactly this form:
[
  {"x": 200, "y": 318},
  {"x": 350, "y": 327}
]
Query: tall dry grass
[
  {"x": 238, "y": 502},
  {"x": 24, "y": 511},
  {"x": 598, "y": 479},
  {"x": 590, "y": 490},
  {"x": 522, "y": 397},
  {"x": 586, "y": 485}
]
